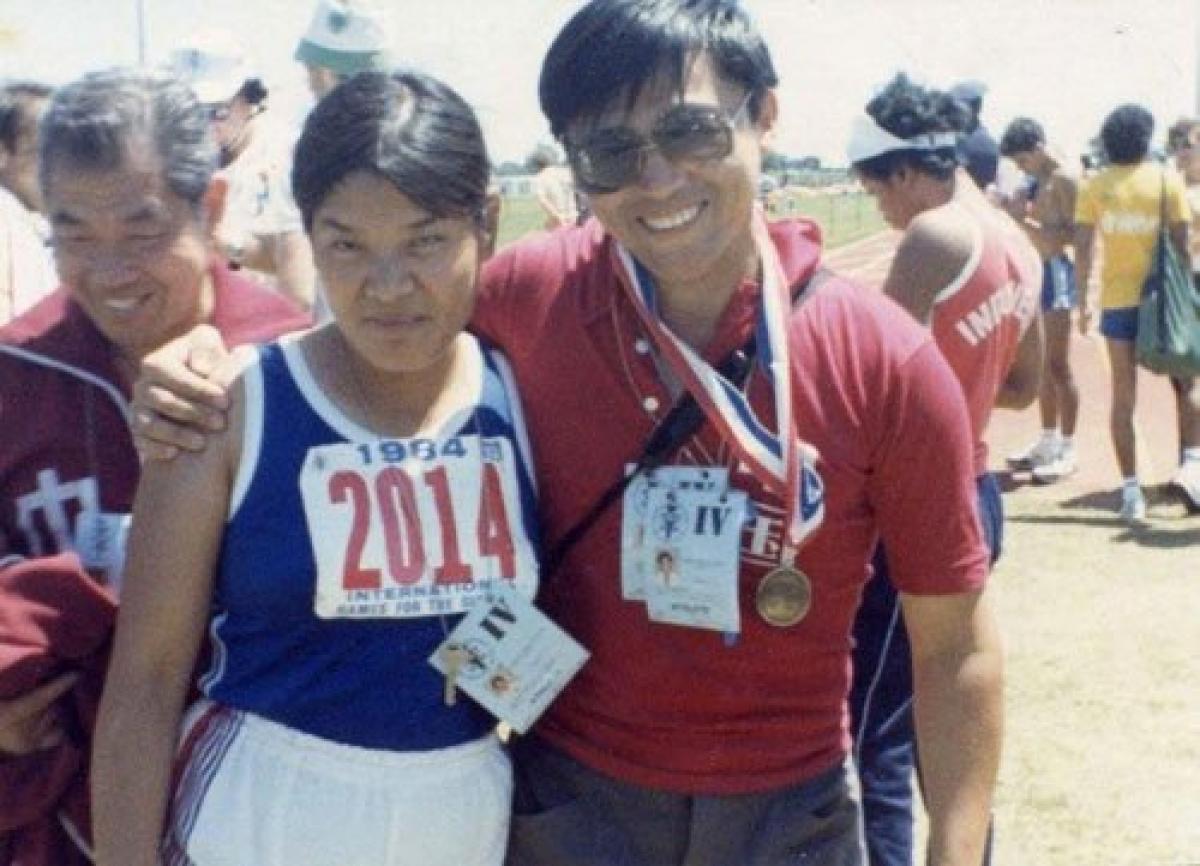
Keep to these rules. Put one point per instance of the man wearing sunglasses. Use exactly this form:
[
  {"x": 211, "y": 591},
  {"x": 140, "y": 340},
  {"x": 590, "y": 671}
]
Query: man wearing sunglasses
[{"x": 710, "y": 724}]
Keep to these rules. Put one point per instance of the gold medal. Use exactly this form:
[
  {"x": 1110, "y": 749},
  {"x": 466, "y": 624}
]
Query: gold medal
[{"x": 784, "y": 596}]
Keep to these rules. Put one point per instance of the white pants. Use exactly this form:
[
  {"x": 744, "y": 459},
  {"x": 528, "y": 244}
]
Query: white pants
[{"x": 250, "y": 791}]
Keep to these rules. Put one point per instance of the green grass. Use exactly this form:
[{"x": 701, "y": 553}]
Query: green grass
[
  {"x": 843, "y": 218},
  {"x": 518, "y": 217}
]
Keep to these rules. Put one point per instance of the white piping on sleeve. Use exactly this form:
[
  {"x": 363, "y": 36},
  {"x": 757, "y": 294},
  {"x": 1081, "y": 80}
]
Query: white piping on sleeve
[
  {"x": 968, "y": 269},
  {"x": 78, "y": 372}
]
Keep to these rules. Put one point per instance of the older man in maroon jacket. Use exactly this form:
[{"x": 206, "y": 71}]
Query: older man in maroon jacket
[{"x": 127, "y": 174}]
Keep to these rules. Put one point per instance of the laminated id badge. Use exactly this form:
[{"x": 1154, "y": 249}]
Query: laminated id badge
[
  {"x": 514, "y": 659},
  {"x": 636, "y": 531},
  {"x": 691, "y": 558}
]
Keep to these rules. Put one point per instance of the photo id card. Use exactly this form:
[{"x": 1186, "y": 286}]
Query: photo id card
[
  {"x": 636, "y": 544},
  {"x": 516, "y": 659},
  {"x": 691, "y": 557}
]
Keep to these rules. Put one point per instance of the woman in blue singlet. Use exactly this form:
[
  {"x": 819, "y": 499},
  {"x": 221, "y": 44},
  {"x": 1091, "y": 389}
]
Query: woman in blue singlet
[{"x": 372, "y": 483}]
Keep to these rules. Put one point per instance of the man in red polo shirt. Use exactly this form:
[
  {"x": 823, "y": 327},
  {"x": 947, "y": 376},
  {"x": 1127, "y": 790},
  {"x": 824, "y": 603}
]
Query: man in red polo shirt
[
  {"x": 710, "y": 724},
  {"x": 127, "y": 175}
]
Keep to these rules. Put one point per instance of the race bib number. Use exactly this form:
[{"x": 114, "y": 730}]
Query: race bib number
[{"x": 414, "y": 527}]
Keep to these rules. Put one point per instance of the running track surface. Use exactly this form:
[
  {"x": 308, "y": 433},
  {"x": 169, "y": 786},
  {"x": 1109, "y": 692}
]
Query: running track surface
[{"x": 868, "y": 261}]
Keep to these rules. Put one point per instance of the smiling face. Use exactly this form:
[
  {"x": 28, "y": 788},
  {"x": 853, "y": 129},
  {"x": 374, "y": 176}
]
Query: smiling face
[
  {"x": 400, "y": 281},
  {"x": 687, "y": 219},
  {"x": 133, "y": 253}
]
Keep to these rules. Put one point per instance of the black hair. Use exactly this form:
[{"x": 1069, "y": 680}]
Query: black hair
[
  {"x": 612, "y": 49},
  {"x": 17, "y": 101},
  {"x": 253, "y": 91},
  {"x": 405, "y": 127},
  {"x": 1181, "y": 132},
  {"x": 1126, "y": 134},
  {"x": 92, "y": 122},
  {"x": 1023, "y": 135},
  {"x": 906, "y": 110}
]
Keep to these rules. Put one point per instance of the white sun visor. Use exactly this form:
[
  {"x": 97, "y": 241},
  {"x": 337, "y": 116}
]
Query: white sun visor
[{"x": 868, "y": 140}]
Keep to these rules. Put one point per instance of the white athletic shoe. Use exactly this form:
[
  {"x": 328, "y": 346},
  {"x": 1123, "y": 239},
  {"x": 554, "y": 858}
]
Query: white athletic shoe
[
  {"x": 1186, "y": 483},
  {"x": 1039, "y": 453},
  {"x": 1062, "y": 466},
  {"x": 1133, "y": 505}
]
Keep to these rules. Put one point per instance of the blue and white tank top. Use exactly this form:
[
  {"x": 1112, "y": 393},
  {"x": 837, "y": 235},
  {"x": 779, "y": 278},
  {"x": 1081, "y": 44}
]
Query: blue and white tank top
[{"x": 358, "y": 672}]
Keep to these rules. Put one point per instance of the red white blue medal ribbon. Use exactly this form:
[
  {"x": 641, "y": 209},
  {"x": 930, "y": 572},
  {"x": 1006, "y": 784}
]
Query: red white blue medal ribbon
[{"x": 778, "y": 459}]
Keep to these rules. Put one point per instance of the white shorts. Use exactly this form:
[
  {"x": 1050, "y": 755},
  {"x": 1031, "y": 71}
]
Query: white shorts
[{"x": 250, "y": 791}]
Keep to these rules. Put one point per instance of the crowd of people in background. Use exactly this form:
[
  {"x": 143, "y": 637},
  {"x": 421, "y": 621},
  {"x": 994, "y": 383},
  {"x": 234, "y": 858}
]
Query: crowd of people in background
[{"x": 287, "y": 440}]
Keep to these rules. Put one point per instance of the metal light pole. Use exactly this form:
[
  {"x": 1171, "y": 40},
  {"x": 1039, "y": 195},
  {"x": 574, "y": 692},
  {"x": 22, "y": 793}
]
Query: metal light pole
[
  {"x": 1196, "y": 55},
  {"x": 141, "y": 31}
]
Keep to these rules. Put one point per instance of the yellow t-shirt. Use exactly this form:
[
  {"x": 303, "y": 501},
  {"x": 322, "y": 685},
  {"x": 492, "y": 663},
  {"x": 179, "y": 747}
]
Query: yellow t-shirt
[{"x": 1123, "y": 202}]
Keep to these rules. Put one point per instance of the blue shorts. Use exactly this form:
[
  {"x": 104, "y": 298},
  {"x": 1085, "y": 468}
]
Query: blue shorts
[
  {"x": 1119, "y": 323},
  {"x": 1058, "y": 284}
]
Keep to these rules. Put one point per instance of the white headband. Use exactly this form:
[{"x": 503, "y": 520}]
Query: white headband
[{"x": 868, "y": 140}]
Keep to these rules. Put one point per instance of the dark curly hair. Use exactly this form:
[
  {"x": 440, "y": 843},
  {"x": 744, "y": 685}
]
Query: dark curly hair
[
  {"x": 1126, "y": 134},
  {"x": 906, "y": 109},
  {"x": 1023, "y": 135}
]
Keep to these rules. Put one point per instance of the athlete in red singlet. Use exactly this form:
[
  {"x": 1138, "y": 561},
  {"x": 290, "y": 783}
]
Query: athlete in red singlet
[{"x": 965, "y": 269}]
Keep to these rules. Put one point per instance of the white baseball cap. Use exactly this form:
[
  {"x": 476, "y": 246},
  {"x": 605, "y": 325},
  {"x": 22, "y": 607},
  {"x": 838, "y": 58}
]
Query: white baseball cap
[
  {"x": 214, "y": 63},
  {"x": 345, "y": 37}
]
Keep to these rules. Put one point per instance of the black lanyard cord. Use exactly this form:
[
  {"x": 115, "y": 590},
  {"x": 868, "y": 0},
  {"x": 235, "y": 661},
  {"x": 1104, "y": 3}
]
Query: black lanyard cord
[{"x": 668, "y": 436}]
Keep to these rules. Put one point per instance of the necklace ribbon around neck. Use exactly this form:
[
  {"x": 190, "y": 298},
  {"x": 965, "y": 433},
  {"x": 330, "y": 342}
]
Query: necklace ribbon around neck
[{"x": 778, "y": 459}]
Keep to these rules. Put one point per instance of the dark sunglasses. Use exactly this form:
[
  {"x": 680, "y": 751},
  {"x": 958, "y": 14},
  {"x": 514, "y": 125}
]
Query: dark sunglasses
[{"x": 607, "y": 159}]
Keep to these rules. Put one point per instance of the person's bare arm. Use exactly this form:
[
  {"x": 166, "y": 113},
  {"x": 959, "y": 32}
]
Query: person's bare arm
[
  {"x": 958, "y": 665},
  {"x": 292, "y": 263},
  {"x": 1085, "y": 235},
  {"x": 178, "y": 521},
  {"x": 1024, "y": 378},
  {"x": 929, "y": 258},
  {"x": 1058, "y": 214}
]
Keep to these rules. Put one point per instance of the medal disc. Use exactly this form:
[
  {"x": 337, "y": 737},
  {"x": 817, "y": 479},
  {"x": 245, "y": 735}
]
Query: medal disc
[{"x": 784, "y": 596}]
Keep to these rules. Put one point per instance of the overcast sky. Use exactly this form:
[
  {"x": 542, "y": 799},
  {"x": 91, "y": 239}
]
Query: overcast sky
[{"x": 1066, "y": 62}]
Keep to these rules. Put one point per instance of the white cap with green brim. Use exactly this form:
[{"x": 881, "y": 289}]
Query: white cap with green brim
[{"x": 345, "y": 38}]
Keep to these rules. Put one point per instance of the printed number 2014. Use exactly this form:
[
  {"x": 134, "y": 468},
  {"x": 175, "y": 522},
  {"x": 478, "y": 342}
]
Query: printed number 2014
[{"x": 393, "y": 497}]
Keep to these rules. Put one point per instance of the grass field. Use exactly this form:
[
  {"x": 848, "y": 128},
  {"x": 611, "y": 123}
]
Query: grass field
[
  {"x": 1101, "y": 762},
  {"x": 843, "y": 218}
]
